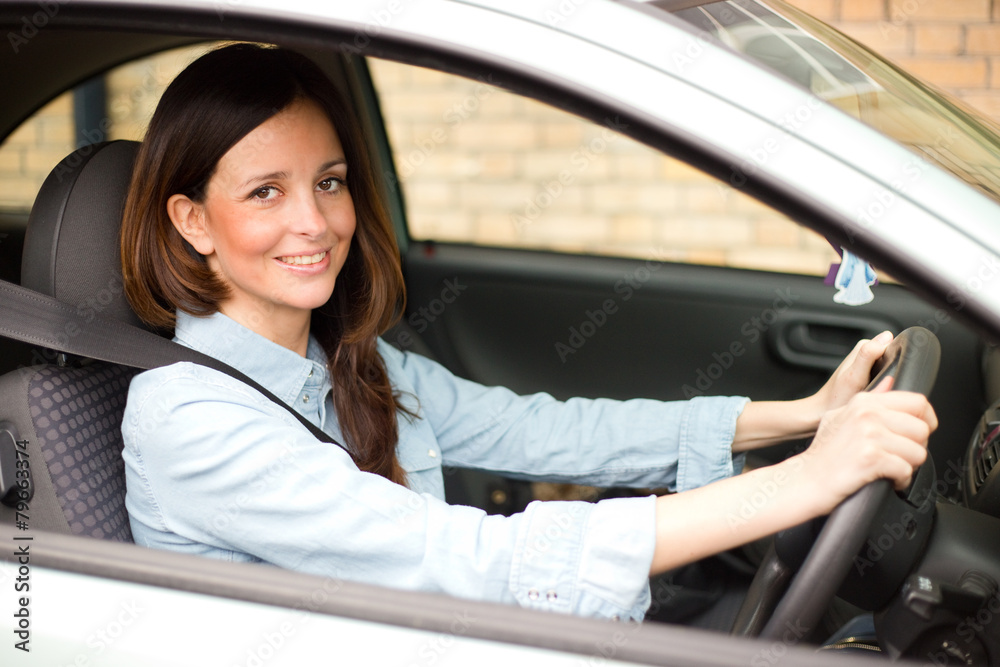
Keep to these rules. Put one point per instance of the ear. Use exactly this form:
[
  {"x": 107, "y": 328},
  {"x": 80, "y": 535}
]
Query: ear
[{"x": 189, "y": 220}]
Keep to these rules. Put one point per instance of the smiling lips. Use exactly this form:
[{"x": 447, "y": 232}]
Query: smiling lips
[{"x": 302, "y": 260}]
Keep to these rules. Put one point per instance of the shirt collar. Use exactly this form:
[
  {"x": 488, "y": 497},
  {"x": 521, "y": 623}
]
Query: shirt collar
[{"x": 279, "y": 369}]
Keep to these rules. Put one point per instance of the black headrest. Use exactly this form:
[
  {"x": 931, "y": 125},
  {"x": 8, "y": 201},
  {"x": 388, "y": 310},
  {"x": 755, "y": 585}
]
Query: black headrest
[{"x": 71, "y": 244}]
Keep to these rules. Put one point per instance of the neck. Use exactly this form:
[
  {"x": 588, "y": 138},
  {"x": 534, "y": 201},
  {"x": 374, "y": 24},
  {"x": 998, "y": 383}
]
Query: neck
[{"x": 288, "y": 329}]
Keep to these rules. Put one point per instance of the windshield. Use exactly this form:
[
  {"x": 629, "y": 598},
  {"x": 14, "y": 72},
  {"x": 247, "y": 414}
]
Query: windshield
[{"x": 854, "y": 79}]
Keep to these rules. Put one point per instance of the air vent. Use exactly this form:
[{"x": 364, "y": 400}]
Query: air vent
[
  {"x": 985, "y": 463},
  {"x": 981, "y": 490}
]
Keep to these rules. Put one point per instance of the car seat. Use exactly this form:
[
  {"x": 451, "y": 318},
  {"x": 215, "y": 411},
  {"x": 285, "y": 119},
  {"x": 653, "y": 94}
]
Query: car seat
[{"x": 67, "y": 415}]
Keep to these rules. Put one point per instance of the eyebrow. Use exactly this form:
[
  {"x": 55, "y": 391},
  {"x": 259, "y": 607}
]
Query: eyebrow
[
  {"x": 332, "y": 163},
  {"x": 277, "y": 175},
  {"x": 273, "y": 176}
]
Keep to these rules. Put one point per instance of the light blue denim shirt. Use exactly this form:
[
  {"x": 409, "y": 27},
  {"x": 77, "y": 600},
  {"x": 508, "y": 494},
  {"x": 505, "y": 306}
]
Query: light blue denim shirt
[{"x": 214, "y": 468}]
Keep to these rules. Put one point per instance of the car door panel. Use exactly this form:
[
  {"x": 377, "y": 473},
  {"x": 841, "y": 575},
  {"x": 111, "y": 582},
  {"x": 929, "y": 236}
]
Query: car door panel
[{"x": 622, "y": 328}]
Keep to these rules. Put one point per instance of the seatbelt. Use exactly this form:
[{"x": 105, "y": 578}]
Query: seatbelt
[{"x": 38, "y": 319}]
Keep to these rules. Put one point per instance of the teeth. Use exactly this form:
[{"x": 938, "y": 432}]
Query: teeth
[{"x": 303, "y": 259}]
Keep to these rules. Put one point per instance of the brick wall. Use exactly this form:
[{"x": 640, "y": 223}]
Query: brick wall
[
  {"x": 536, "y": 177},
  {"x": 30, "y": 153}
]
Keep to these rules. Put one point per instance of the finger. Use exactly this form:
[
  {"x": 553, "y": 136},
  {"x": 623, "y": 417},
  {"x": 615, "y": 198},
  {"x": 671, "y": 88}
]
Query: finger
[
  {"x": 902, "y": 401},
  {"x": 910, "y": 446},
  {"x": 901, "y": 475},
  {"x": 857, "y": 365},
  {"x": 869, "y": 351},
  {"x": 900, "y": 469},
  {"x": 892, "y": 457},
  {"x": 884, "y": 386}
]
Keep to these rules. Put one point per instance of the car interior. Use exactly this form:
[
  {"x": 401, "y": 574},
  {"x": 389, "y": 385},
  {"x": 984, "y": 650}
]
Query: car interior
[{"x": 499, "y": 332}]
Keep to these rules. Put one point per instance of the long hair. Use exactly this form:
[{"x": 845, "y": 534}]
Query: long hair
[{"x": 206, "y": 110}]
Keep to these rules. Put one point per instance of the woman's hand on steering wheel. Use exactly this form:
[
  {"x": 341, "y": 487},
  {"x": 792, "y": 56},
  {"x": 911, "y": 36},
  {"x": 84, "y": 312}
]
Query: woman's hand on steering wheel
[{"x": 874, "y": 435}]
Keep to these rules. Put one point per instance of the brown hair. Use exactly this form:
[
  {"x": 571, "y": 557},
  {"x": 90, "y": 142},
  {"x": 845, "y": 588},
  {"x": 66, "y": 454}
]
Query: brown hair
[{"x": 206, "y": 110}]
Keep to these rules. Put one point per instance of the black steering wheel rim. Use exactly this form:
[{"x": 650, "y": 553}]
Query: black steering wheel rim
[{"x": 912, "y": 359}]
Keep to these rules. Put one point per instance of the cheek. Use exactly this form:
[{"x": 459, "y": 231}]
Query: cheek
[
  {"x": 343, "y": 221},
  {"x": 349, "y": 229},
  {"x": 245, "y": 244}
]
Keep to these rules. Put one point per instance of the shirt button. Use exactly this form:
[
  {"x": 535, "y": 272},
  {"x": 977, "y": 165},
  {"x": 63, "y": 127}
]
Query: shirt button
[
  {"x": 431, "y": 453},
  {"x": 305, "y": 399},
  {"x": 310, "y": 373},
  {"x": 551, "y": 596},
  {"x": 532, "y": 594}
]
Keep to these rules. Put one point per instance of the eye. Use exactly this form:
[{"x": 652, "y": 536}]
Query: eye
[
  {"x": 330, "y": 184},
  {"x": 264, "y": 193}
]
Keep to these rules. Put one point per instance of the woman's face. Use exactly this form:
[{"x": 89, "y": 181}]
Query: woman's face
[{"x": 277, "y": 219}]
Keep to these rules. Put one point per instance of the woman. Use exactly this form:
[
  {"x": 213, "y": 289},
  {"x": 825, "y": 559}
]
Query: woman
[{"x": 253, "y": 226}]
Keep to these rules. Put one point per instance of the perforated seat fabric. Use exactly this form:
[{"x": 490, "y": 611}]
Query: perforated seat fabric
[{"x": 77, "y": 415}]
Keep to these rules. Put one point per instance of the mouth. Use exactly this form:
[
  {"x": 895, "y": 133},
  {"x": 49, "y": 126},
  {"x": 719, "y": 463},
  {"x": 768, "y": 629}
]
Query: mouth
[{"x": 304, "y": 260}]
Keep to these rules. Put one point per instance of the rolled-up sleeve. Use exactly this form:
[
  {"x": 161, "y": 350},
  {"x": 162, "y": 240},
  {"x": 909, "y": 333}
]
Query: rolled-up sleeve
[
  {"x": 644, "y": 443},
  {"x": 586, "y": 558}
]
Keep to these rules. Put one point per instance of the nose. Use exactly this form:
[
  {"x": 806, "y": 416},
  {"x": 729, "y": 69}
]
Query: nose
[{"x": 307, "y": 218}]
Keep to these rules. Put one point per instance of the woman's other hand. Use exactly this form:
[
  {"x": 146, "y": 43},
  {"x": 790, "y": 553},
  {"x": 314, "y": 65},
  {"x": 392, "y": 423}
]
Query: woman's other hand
[
  {"x": 764, "y": 423},
  {"x": 852, "y": 375}
]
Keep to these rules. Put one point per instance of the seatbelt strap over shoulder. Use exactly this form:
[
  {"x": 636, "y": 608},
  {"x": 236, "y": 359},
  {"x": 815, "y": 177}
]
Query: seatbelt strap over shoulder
[{"x": 38, "y": 319}]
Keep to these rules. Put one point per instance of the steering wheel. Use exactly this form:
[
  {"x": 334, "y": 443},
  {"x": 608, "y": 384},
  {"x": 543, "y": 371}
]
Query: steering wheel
[{"x": 912, "y": 359}]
